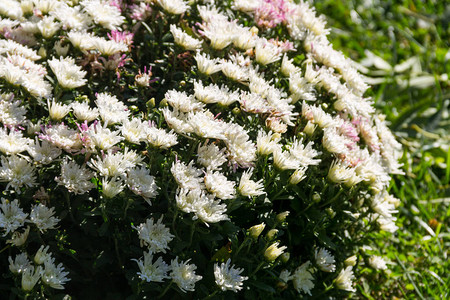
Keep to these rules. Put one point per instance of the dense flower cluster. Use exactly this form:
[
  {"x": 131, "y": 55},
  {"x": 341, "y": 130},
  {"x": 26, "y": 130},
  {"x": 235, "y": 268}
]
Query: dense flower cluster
[{"x": 175, "y": 126}]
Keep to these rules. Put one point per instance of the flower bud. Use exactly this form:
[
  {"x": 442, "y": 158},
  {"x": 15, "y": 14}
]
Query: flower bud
[
  {"x": 281, "y": 217},
  {"x": 151, "y": 103},
  {"x": 256, "y": 230},
  {"x": 42, "y": 52},
  {"x": 272, "y": 234},
  {"x": 41, "y": 255},
  {"x": 316, "y": 197},
  {"x": 30, "y": 277},
  {"x": 19, "y": 238},
  {"x": 285, "y": 257},
  {"x": 331, "y": 213},
  {"x": 297, "y": 176},
  {"x": 350, "y": 261},
  {"x": 236, "y": 111},
  {"x": 163, "y": 103},
  {"x": 309, "y": 128},
  {"x": 272, "y": 252},
  {"x": 60, "y": 49}
]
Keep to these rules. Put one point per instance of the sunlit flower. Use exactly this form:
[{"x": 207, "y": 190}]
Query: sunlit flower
[{"x": 228, "y": 277}]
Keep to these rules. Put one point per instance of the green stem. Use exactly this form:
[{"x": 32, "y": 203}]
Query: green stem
[
  {"x": 4, "y": 248},
  {"x": 165, "y": 290},
  {"x": 211, "y": 295},
  {"x": 334, "y": 198},
  {"x": 66, "y": 194},
  {"x": 192, "y": 233},
  {"x": 257, "y": 268},
  {"x": 242, "y": 245}
]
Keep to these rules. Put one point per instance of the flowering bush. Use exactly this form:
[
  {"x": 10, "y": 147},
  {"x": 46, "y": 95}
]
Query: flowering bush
[{"x": 166, "y": 148}]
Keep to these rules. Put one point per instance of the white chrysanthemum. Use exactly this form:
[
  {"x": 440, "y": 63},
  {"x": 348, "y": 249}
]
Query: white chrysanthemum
[
  {"x": 102, "y": 137},
  {"x": 218, "y": 185},
  {"x": 8, "y": 46},
  {"x": 62, "y": 137},
  {"x": 214, "y": 94},
  {"x": 300, "y": 88},
  {"x": 344, "y": 280},
  {"x": 103, "y": 13},
  {"x": 112, "y": 187},
  {"x": 142, "y": 183},
  {"x": 69, "y": 75},
  {"x": 266, "y": 52},
  {"x": 45, "y": 6},
  {"x": 298, "y": 176},
  {"x": 182, "y": 102},
  {"x": 248, "y": 187},
  {"x": 43, "y": 218},
  {"x": 75, "y": 178},
  {"x": 115, "y": 164},
  {"x": 11, "y": 216},
  {"x": 209, "y": 210},
  {"x": 19, "y": 238},
  {"x": 81, "y": 39},
  {"x": 71, "y": 17},
  {"x": 12, "y": 113},
  {"x": 234, "y": 71},
  {"x": 176, "y": 7},
  {"x": 288, "y": 67},
  {"x": 245, "y": 38},
  {"x": 102, "y": 45},
  {"x": 13, "y": 142},
  {"x": 152, "y": 271},
  {"x": 303, "y": 279},
  {"x": 134, "y": 130},
  {"x": 219, "y": 31},
  {"x": 316, "y": 115},
  {"x": 183, "y": 274},
  {"x": 187, "y": 177},
  {"x": 111, "y": 109},
  {"x": 17, "y": 172},
  {"x": 83, "y": 112},
  {"x": 205, "y": 125},
  {"x": 206, "y": 65},
  {"x": 229, "y": 278},
  {"x": 284, "y": 160},
  {"x": 386, "y": 223},
  {"x": 254, "y": 103},
  {"x": 57, "y": 111},
  {"x": 156, "y": 236},
  {"x": 247, "y": 6},
  {"x": 186, "y": 199},
  {"x": 377, "y": 262},
  {"x": 340, "y": 173},
  {"x": 242, "y": 150},
  {"x": 54, "y": 275},
  {"x": 177, "y": 121},
  {"x": 19, "y": 264},
  {"x": 48, "y": 27},
  {"x": 159, "y": 138},
  {"x": 44, "y": 152},
  {"x": 380, "y": 204},
  {"x": 210, "y": 156},
  {"x": 304, "y": 153},
  {"x": 266, "y": 143},
  {"x": 324, "y": 260},
  {"x": 183, "y": 39}
]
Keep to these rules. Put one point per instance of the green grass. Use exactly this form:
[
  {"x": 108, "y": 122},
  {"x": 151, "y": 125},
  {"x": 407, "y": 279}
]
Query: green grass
[{"x": 419, "y": 115}]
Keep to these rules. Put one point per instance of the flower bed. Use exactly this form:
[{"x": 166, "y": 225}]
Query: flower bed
[{"x": 168, "y": 148}]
